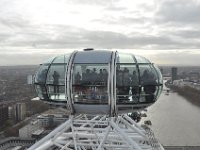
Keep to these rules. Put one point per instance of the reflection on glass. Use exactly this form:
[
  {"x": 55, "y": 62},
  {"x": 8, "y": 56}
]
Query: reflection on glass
[
  {"x": 159, "y": 75},
  {"x": 141, "y": 59},
  {"x": 125, "y": 58},
  {"x": 148, "y": 74},
  {"x": 49, "y": 60},
  {"x": 41, "y": 74},
  {"x": 61, "y": 59},
  {"x": 149, "y": 83},
  {"x": 90, "y": 83},
  {"x": 41, "y": 90},
  {"x": 56, "y": 75}
]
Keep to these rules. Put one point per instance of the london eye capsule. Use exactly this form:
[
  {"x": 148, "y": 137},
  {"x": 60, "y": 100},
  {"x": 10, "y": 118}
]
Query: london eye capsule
[{"x": 99, "y": 82}]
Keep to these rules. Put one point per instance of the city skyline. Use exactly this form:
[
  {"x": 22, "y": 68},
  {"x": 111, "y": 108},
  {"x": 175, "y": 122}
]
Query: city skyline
[{"x": 166, "y": 32}]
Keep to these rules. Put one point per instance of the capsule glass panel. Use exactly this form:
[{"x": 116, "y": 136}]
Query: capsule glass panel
[
  {"x": 160, "y": 79},
  {"x": 41, "y": 91},
  {"x": 56, "y": 78},
  {"x": 127, "y": 83},
  {"x": 125, "y": 58},
  {"x": 56, "y": 82},
  {"x": 41, "y": 75},
  {"x": 93, "y": 57},
  {"x": 127, "y": 79},
  {"x": 90, "y": 83},
  {"x": 48, "y": 61},
  {"x": 149, "y": 83},
  {"x": 61, "y": 59},
  {"x": 141, "y": 59}
]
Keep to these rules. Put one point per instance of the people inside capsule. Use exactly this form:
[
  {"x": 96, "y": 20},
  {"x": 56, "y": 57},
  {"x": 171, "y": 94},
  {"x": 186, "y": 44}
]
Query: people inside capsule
[
  {"x": 56, "y": 77},
  {"x": 78, "y": 78},
  {"x": 93, "y": 76},
  {"x": 148, "y": 80},
  {"x": 135, "y": 87},
  {"x": 41, "y": 79},
  {"x": 126, "y": 86},
  {"x": 91, "y": 85}
]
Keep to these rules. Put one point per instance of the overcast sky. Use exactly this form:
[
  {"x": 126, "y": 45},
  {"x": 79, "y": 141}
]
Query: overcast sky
[{"x": 165, "y": 31}]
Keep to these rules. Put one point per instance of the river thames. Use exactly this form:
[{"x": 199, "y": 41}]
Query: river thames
[{"x": 175, "y": 121}]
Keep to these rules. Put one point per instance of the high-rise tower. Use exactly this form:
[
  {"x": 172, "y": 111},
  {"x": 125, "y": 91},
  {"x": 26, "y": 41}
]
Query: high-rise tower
[{"x": 174, "y": 74}]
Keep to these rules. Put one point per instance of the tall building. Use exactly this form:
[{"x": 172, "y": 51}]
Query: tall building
[
  {"x": 174, "y": 74},
  {"x": 3, "y": 114},
  {"x": 20, "y": 111}
]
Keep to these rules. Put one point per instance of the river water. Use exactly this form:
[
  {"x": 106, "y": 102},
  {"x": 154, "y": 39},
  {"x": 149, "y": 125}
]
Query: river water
[{"x": 175, "y": 121}]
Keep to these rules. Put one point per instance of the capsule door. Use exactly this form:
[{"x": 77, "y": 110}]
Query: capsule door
[{"x": 90, "y": 83}]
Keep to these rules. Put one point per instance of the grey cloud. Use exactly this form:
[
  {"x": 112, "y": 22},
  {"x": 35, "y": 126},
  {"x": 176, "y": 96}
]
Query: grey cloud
[
  {"x": 25, "y": 34},
  {"x": 193, "y": 34},
  {"x": 176, "y": 57},
  {"x": 107, "y": 20},
  {"x": 183, "y": 11},
  {"x": 89, "y": 2},
  {"x": 71, "y": 37},
  {"x": 3, "y": 37},
  {"x": 14, "y": 30},
  {"x": 123, "y": 20},
  {"x": 133, "y": 20},
  {"x": 78, "y": 38},
  {"x": 114, "y": 8},
  {"x": 185, "y": 38},
  {"x": 21, "y": 58},
  {"x": 105, "y": 39},
  {"x": 14, "y": 22}
]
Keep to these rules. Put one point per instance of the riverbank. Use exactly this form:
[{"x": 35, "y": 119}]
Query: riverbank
[
  {"x": 175, "y": 120},
  {"x": 191, "y": 94}
]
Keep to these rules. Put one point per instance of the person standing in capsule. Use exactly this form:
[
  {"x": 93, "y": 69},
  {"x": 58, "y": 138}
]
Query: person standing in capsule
[{"x": 56, "y": 77}]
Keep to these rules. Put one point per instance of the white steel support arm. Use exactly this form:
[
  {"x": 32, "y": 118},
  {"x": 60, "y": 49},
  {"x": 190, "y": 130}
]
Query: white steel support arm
[
  {"x": 133, "y": 144},
  {"x": 98, "y": 133},
  {"x": 104, "y": 138},
  {"x": 65, "y": 125}
]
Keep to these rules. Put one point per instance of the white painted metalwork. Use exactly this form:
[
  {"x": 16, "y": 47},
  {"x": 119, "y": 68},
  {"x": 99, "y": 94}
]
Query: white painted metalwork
[
  {"x": 112, "y": 87},
  {"x": 85, "y": 132},
  {"x": 68, "y": 85}
]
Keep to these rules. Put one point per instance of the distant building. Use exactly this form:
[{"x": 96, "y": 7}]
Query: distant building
[
  {"x": 20, "y": 111},
  {"x": 3, "y": 114},
  {"x": 50, "y": 120},
  {"x": 174, "y": 75},
  {"x": 29, "y": 79},
  {"x": 11, "y": 112},
  {"x": 194, "y": 76}
]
